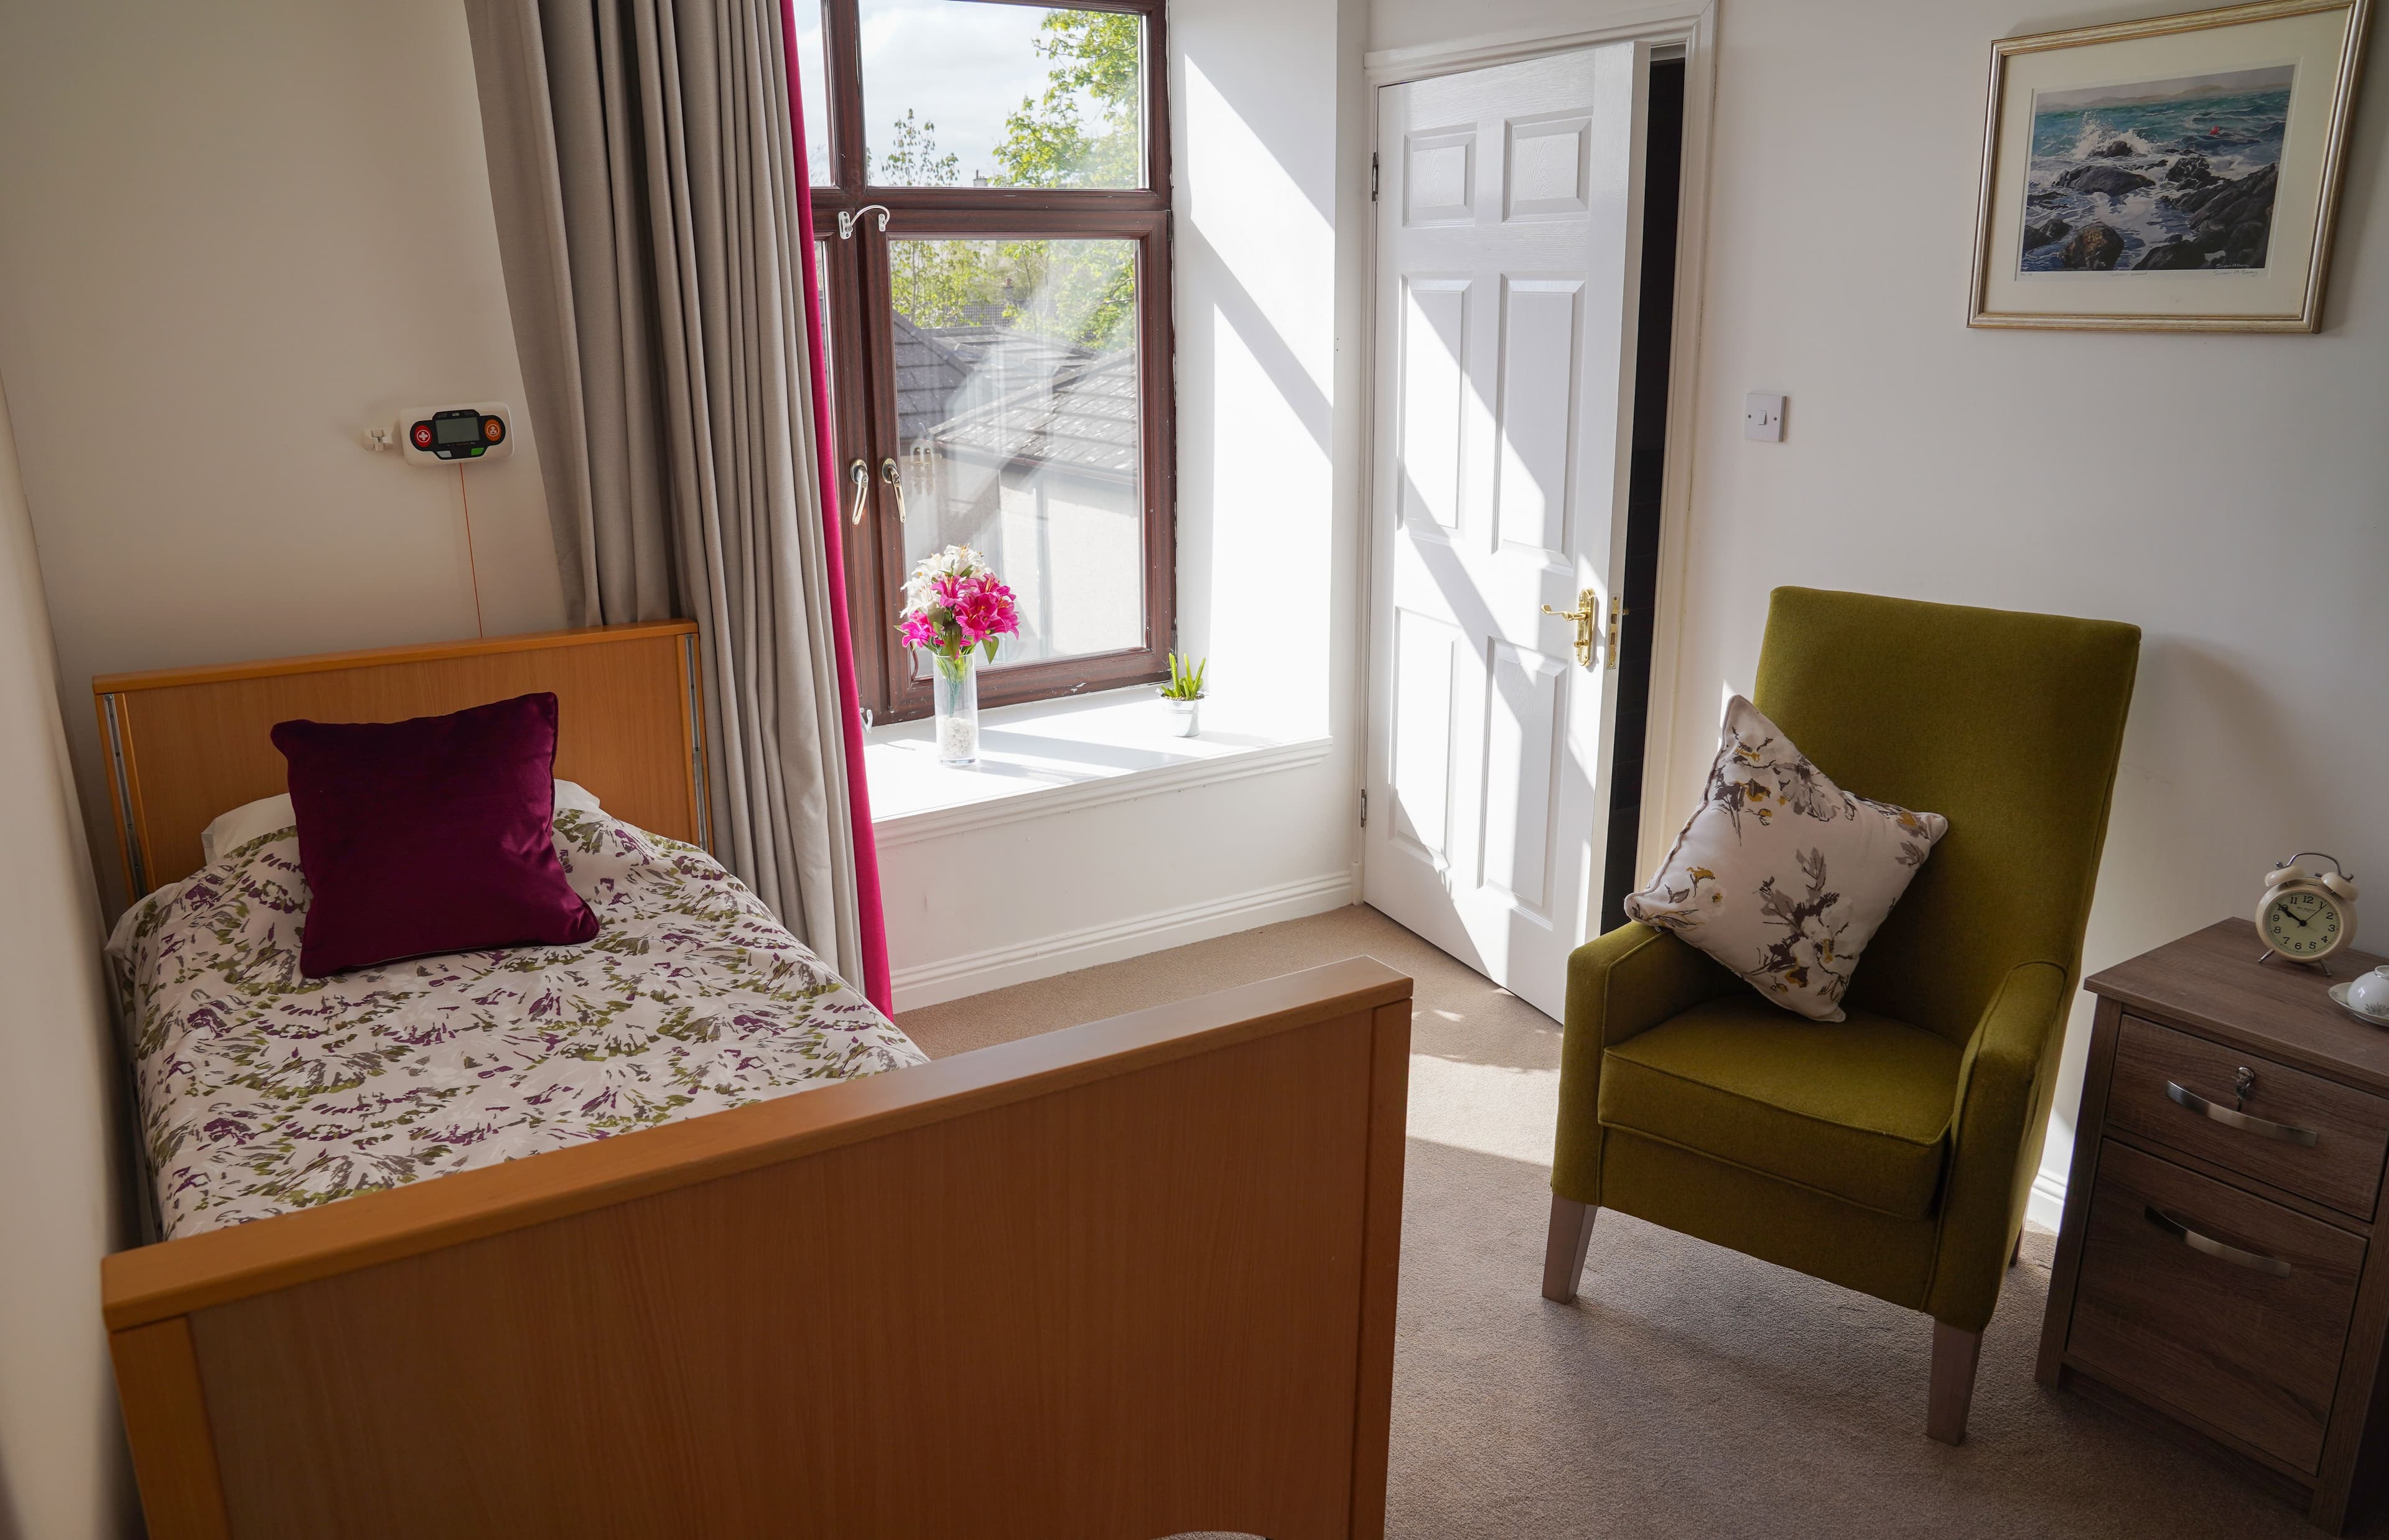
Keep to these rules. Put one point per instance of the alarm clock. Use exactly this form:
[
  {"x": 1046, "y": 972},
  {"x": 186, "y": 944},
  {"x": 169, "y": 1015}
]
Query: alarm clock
[{"x": 2307, "y": 913}]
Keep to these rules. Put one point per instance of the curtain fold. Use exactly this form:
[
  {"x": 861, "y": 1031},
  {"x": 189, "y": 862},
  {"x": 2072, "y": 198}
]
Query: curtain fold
[
  {"x": 866, "y": 844},
  {"x": 651, "y": 209}
]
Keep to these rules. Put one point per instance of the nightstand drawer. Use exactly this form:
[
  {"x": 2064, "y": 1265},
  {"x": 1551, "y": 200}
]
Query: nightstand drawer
[
  {"x": 2216, "y": 1302},
  {"x": 2297, "y": 1131}
]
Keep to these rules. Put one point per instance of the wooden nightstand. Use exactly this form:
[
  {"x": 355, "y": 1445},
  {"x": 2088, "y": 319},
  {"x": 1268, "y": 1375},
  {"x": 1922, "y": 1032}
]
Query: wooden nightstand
[{"x": 2216, "y": 1264}]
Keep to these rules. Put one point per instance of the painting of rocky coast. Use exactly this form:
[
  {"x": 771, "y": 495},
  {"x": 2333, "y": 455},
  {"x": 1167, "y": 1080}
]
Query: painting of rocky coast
[{"x": 2155, "y": 176}]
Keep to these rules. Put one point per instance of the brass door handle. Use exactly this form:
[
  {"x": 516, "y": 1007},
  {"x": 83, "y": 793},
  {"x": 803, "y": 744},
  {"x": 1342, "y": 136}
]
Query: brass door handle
[
  {"x": 859, "y": 474},
  {"x": 1586, "y": 615},
  {"x": 890, "y": 473},
  {"x": 1588, "y": 606}
]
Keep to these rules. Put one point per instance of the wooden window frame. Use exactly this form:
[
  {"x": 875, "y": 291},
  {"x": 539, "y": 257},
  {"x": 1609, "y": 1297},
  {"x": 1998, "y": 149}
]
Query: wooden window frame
[{"x": 856, "y": 292}]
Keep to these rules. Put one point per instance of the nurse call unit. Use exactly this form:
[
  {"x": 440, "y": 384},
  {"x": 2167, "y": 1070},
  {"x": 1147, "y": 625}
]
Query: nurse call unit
[{"x": 457, "y": 435}]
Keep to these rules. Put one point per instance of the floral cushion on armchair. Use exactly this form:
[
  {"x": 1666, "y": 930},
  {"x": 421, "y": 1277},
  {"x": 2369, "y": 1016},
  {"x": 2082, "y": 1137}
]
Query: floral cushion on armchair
[{"x": 1781, "y": 875}]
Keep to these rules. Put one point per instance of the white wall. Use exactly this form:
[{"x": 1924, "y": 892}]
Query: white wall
[
  {"x": 2228, "y": 494},
  {"x": 230, "y": 236},
  {"x": 62, "y": 1467},
  {"x": 1268, "y": 228}
]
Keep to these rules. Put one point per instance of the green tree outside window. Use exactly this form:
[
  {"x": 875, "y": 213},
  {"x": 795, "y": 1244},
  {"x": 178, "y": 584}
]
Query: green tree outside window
[{"x": 1082, "y": 131}]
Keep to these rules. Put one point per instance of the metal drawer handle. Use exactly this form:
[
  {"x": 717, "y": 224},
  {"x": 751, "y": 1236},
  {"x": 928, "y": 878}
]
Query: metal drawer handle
[
  {"x": 2231, "y": 1119},
  {"x": 2255, "y": 1262}
]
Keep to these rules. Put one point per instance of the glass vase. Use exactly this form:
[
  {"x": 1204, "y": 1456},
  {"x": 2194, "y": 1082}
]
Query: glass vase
[{"x": 954, "y": 683}]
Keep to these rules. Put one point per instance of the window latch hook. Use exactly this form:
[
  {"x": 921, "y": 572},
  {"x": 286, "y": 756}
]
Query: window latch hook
[{"x": 846, "y": 217}]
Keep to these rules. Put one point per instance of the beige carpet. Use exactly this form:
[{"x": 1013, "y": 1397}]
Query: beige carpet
[{"x": 1689, "y": 1390}]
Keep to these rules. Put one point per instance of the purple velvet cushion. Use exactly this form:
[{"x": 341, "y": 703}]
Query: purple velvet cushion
[{"x": 429, "y": 836}]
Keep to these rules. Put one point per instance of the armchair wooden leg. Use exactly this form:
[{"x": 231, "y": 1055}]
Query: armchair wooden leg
[
  {"x": 1563, "y": 1248},
  {"x": 1954, "y": 1354}
]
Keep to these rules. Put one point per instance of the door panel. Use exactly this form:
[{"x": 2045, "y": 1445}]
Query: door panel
[
  {"x": 1527, "y": 705},
  {"x": 1548, "y": 162},
  {"x": 1440, "y": 186},
  {"x": 1539, "y": 332},
  {"x": 1508, "y": 235},
  {"x": 1434, "y": 397}
]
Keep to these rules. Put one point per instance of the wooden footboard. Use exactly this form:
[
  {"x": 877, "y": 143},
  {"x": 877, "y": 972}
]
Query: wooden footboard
[{"x": 1113, "y": 1283}]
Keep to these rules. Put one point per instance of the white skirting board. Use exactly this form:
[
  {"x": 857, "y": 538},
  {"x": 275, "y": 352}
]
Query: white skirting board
[
  {"x": 976, "y": 972},
  {"x": 2045, "y": 1206}
]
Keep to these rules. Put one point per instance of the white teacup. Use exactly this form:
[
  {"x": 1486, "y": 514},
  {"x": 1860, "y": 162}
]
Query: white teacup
[{"x": 2369, "y": 994}]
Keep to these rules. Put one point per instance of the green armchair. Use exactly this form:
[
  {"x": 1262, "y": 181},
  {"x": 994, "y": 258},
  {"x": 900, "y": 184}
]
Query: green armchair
[{"x": 1891, "y": 1153}]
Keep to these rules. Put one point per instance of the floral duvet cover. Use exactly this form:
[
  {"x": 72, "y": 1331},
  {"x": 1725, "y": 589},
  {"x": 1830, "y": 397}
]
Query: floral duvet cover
[{"x": 263, "y": 1091}]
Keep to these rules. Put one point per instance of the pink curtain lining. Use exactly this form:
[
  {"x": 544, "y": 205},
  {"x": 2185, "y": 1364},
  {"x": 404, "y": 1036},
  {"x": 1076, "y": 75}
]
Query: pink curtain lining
[{"x": 870, "y": 913}]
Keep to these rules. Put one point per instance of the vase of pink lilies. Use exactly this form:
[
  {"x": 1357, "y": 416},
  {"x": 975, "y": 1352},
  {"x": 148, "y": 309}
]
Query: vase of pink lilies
[{"x": 955, "y": 609}]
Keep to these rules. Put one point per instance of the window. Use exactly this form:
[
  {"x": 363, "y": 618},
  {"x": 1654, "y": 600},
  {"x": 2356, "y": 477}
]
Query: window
[{"x": 991, "y": 198}]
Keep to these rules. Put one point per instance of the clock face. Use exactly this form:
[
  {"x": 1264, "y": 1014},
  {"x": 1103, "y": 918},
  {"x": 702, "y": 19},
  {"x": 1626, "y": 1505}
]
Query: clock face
[{"x": 2303, "y": 922}]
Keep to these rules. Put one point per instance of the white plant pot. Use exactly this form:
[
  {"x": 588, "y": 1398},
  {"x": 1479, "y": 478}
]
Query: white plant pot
[{"x": 1185, "y": 717}]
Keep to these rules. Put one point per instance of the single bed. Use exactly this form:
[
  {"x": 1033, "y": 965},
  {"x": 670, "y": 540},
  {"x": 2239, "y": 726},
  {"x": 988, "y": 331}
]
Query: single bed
[
  {"x": 1128, "y": 1278},
  {"x": 261, "y": 1091}
]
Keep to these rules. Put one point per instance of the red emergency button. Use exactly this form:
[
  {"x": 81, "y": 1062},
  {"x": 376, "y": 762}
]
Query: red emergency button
[
  {"x": 423, "y": 436},
  {"x": 492, "y": 430}
]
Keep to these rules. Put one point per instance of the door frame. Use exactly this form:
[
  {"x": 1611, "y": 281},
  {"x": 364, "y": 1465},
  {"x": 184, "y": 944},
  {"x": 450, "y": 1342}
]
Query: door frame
[{"x": 1685, "y": 31}]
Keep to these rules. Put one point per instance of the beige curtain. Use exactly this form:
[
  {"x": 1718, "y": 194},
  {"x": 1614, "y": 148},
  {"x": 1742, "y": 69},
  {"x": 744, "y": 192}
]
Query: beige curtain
[{"x": 645, "y": 180}]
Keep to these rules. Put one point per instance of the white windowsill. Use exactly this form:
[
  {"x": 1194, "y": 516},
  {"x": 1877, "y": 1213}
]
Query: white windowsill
[{"x": 1048, "y": 756}]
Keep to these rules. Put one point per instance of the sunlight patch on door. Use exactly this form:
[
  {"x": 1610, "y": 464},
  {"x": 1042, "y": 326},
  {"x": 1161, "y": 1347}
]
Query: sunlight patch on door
[
  {"x": 1540, "y": 327},
  {"x": 1523, "y": 706},
  {"x": 1428, "y": 651},
  {"x": 1429, "y": 439}
]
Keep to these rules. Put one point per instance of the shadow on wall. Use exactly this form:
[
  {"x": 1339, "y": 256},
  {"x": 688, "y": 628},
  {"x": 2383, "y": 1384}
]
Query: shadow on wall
[
  {"x": 1303, "y": 396},
  {"x": 2203, "y": 717},
  {"x": 1254, "y": 260}
]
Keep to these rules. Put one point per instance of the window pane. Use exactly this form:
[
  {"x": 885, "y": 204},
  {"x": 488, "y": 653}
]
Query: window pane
[
  {"x": 1016, "y": 396},
  {"x": 961, "y": 94},
  {"x": 813, "y": 89}
]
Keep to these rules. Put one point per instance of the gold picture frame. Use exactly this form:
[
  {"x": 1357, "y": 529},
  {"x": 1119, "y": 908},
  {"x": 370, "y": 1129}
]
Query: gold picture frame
[{"x": 2184, "y": 170}]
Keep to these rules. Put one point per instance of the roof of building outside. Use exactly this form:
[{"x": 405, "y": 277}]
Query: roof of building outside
[
  {"x": 1086, "y": 418},
  {"x": 997, "y": 393}
]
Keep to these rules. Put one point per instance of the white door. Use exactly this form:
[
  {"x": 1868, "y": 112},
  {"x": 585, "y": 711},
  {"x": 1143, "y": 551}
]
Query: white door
[{"x": 1509, "y": 234}]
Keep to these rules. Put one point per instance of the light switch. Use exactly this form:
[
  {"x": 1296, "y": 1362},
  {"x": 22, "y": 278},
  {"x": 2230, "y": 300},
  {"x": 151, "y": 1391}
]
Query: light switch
[{"x": 1762, "y": 417}]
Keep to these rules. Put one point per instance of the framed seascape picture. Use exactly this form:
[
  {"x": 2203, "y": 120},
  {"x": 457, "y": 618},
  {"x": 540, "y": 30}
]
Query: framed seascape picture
[{"x": 2174, "y": 175}]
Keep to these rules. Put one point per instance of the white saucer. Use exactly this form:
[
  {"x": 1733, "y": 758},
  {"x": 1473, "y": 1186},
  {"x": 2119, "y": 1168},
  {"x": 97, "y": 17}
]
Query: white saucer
[{"x": 2339, "y": 998}]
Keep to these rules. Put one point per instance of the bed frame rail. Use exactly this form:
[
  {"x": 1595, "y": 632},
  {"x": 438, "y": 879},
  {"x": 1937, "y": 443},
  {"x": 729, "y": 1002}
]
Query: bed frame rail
[{"x": 1115, "y": 1282}]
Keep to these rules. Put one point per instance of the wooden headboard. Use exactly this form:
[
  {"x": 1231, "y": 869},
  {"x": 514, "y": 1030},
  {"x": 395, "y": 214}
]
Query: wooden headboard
[{"x": 185, "y": 745}]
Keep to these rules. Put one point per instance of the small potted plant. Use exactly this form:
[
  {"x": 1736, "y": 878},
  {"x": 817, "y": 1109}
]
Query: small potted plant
[{"x": 1183, "y": 696}]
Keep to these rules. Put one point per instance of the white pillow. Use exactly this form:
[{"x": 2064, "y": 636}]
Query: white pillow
[
  {"x": 272, "y": 814},
  {"x": 1781, "y": 875}
]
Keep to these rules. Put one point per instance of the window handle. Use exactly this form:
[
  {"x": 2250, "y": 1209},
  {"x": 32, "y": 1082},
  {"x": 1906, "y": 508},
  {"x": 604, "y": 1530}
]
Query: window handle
[
  {"x": 894, "y": 477},
  {"x": 861, "y": 474},
  {"x": 848, "y": 218}
]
